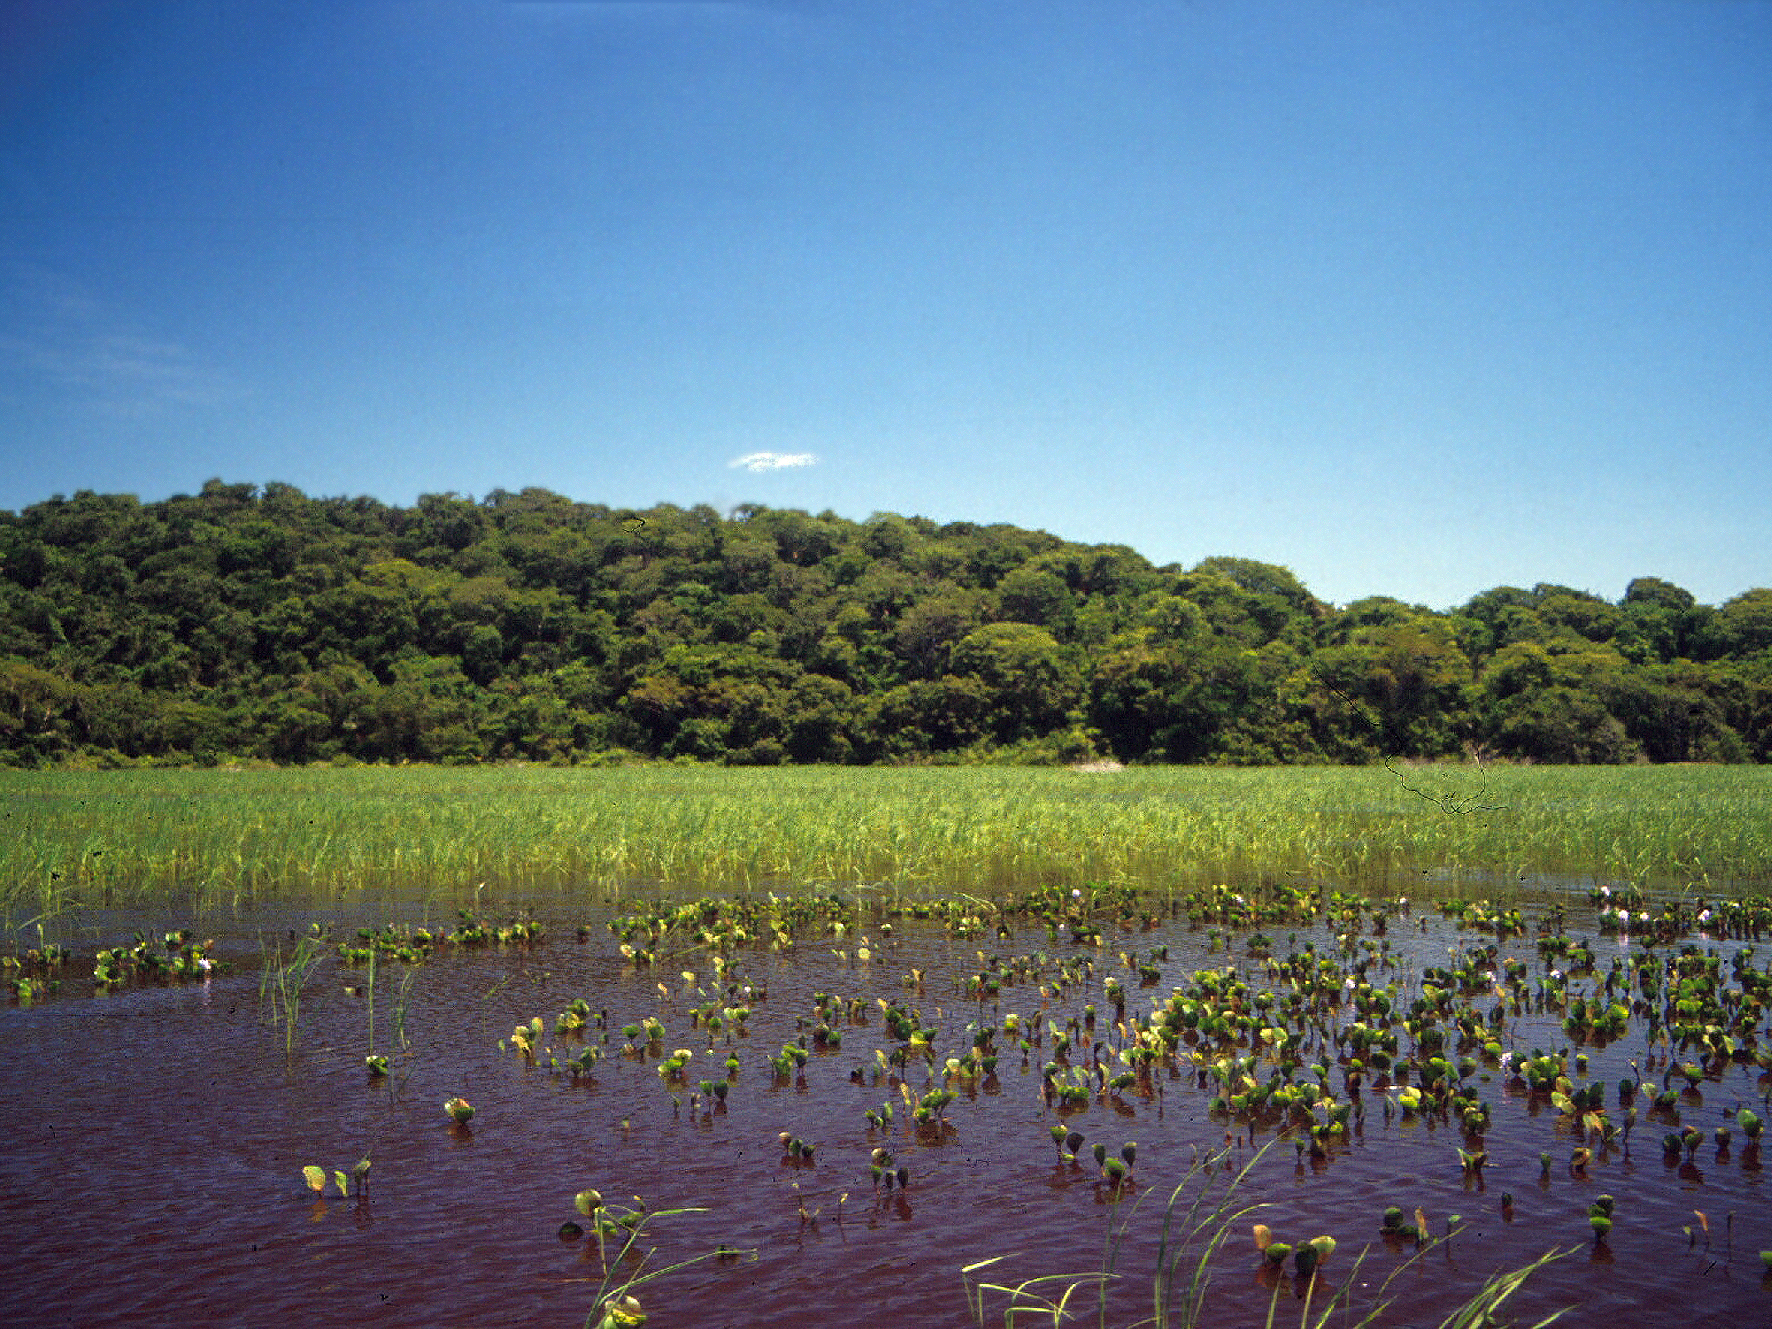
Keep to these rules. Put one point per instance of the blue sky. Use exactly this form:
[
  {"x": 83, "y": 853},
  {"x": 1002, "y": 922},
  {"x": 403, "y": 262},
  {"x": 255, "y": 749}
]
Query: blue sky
[{"x": 1415, "y": 299}]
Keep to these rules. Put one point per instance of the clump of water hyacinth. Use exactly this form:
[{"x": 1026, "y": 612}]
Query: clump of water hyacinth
[
  {"x": 1599, "y": 1217},
  {"x": 1068, "y": 1143},
  {"x": 317, "y": 1179},
  {"x": 1312, "y": 1254},
  {"x": 1272, "y": 1252},
  {"x": 1392, "y": 1225},
  {"x": 622, "y": 1312},
  {"x": 1117, "y": 1170}
]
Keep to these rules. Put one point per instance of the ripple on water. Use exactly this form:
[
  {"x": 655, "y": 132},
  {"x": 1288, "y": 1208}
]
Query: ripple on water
[{"x": 156, "y": 1138}]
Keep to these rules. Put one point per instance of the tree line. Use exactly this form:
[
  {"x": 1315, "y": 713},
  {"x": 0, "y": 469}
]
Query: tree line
[{"x": 248, "y": 622}]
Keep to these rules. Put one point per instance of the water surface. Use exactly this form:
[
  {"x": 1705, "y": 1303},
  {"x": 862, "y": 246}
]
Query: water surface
[{"x": 156, "y": 1138}]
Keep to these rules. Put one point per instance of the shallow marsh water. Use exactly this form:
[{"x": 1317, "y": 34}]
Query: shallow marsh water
[{"x": 155, "y": 1140}]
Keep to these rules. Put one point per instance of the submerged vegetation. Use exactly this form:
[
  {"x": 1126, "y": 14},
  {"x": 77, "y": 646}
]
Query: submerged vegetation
[{"x": 215, "y": 838}]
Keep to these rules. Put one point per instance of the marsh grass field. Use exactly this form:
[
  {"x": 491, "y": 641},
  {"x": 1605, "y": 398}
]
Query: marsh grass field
[
  {"x": 221, "y": 838},
  {"x": 737, "y": 911}
]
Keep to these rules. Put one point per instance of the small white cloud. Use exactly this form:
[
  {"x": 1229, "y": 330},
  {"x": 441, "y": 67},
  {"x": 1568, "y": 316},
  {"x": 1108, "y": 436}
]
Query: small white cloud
[{"x": 772, "y": 461}]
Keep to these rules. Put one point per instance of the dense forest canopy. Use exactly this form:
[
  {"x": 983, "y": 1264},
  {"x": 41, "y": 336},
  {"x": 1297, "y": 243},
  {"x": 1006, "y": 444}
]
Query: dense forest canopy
[{"x": 249, "y": 622}]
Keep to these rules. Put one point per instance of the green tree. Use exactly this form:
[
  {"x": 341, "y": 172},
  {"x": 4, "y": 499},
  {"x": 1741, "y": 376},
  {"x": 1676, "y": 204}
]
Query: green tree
[
  {"x": 1741, "y": 626},
  {"x": 1539, "y": 704},
  {"x": 1157, "y": 700},
  {"x": 1031, "y": 684},
  {"x": 927, "y": 632},
  {"x": 1395, "y": 689},
  {"x": 1035, "y": 594}
]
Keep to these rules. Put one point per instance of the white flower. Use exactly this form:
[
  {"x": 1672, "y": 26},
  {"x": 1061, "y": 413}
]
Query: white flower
[{"x": 1076, "y": 894}]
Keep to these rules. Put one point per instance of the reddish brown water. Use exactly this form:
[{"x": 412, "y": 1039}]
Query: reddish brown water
[{"x": 152, "y": 1168}]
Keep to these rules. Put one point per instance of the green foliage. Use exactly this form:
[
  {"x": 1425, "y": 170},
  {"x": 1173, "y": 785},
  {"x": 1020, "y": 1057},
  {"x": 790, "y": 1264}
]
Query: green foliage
[
  {"x": 261, "y": 624},
  {"x": 281, "y": 982},
  {"x": 222, "y": 838}
]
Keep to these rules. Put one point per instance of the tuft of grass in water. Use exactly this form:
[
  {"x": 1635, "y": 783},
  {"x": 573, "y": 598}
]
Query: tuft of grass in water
[
  {"x": 1179, "y": 1284},
  {"x": 1193, "y": 1229},
  {"x": 616, "y": 1305},
  {"x": 1480, "y": 1311},
  {"x": 280, "y": 986},
  {"x": 402, "y": 1004},
  {"x": 1023, "y": 1299},
  {"x": 1201, "y": 1214}
]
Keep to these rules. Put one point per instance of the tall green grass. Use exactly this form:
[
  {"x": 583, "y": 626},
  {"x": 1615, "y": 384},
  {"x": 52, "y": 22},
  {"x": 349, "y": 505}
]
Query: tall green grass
[
  {"x": 1203, "y": 1217},
  {"x": 220, "y": 837}
]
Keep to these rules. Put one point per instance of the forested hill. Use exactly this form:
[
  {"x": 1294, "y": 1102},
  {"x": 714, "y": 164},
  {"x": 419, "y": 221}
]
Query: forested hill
[{"x": 263, "y": 623}]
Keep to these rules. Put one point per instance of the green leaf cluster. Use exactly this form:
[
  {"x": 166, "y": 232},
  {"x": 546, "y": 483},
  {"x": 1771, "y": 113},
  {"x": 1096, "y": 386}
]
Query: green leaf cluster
[{"x": 260, "y": 623}]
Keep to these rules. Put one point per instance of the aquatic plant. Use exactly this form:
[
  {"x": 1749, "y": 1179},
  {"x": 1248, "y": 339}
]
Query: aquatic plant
[
  {"x": 1266, "y": 1022},
  {"x": 281, "y": 982},
  {"x": 615, "y": 1305},
  {"x": 1199, "y": 1229},
  {"x": 317, "y": 1178},
  {"x": 154, "y": 956},
  {"x": 1311, "y": 1255},
  {"x": 931, "y": 1110},
  {"x": 509, "y": 826},
  {"x": 1599, "y": 1216},
  {"x": 1023, "y": 1300},
  {"x": 1201, "y": 1213}
]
